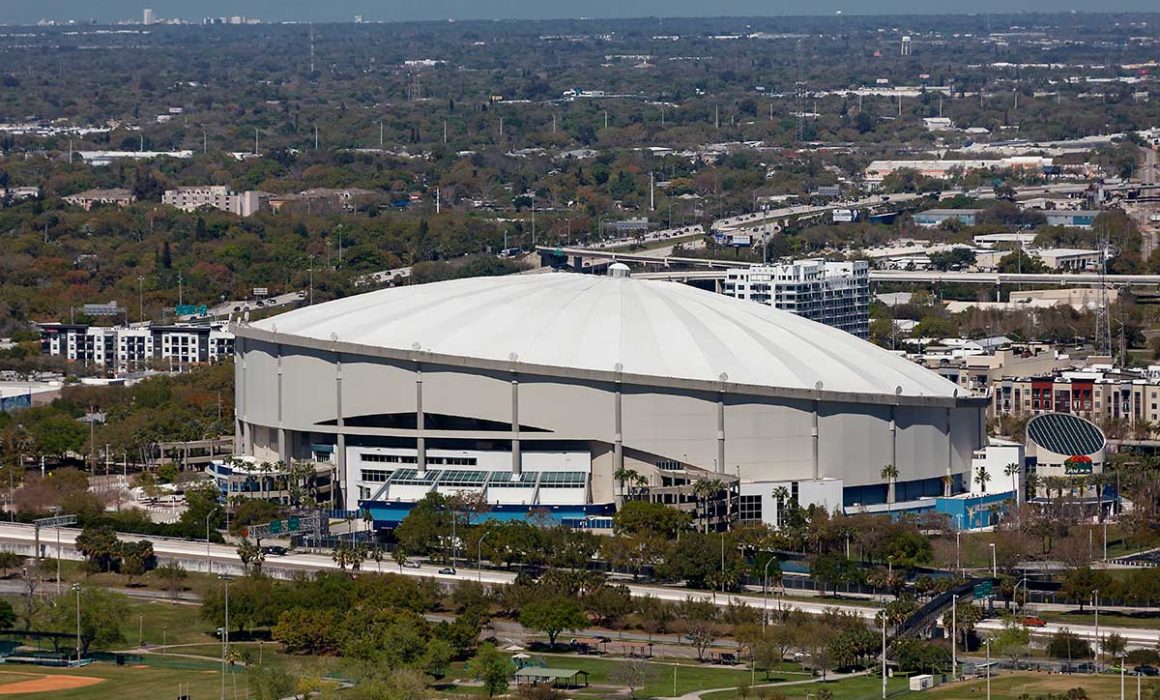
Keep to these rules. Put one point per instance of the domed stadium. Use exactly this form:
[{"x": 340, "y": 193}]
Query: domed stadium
[{"x": 566, "y": 393}]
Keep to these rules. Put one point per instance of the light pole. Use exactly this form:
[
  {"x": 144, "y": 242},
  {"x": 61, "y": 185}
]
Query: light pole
[
  {"x": 883, "y": 653},
  {"x": 1096, "y": 641},
  {"x": 988, "y": 644},
  {"x": 994, "y": 566},
  {"x": 225, "y": 633},
  {"x": 140, "y": 629},
  {"x": 208, "y": 561},
  {"x": 77, "y": 589},
  {"x": 765, "y": 594},
  {"x": 479, "y": 554}
]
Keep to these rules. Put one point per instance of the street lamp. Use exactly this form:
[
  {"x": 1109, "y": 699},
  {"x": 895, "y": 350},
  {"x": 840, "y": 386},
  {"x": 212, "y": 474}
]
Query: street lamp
[
  {"x": 988, "y": 645},
  {"x": 1096, "y": 641},
  {"x": 765, "y": 594},
  {"x": 209, "y": 562},
  {"x": 77, "y": 589},
  {"x": 479, "y": 554},
  {"x": 994, "y": 566},
  {"x": 140, "y": 629},
  {"x": 225, "y": 633}
]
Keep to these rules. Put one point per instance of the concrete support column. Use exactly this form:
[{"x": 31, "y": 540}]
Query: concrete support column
[
  {"x": 721, "y": 433},
  {"x": 340, "y": 475},
  {"x": 240, "y": 427},
  {"x": 950, "y": 457},
  {"x": 517, "y": 456},
  {"x": 420, "y": 440},
  {"x": 814, "y": 432},
  {"x": 283, "y": 443},
  {"x": 617, "y": 430}
]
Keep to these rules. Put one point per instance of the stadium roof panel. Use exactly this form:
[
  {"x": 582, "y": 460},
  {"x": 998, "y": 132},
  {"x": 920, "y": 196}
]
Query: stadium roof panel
[
  {"x": 589, "y": 322},
  {"x": 1065, "y": 434}
]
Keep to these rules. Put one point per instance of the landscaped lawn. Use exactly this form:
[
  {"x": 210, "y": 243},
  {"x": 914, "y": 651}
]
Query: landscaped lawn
[
  {"x": 1012, "y": 685},
  {"x": 858, "y": 688},
  {"x": 1143, "y": 620},
  {"x": 130, "y": 683}
]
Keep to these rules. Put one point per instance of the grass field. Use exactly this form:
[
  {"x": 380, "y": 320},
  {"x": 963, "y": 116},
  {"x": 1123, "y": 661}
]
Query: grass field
[
  {"x": 1149, "y": 620},
  {"x": 126, "y": 683},
  {"x": 859, "y": 688},
  {"x": 1012, "y": 685}
]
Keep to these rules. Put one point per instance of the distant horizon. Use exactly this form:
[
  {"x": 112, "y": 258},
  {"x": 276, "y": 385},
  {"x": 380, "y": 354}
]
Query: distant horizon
[{"x": 345, "y": 11}]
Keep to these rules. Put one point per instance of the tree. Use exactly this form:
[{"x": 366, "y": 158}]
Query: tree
[
  {"x": 136, "y": 559},
  {"x": 633, "y": 674},
  {"x": 1019, "y": 261},
  {"x": 1013, "y": 470},
  {"x": 832, "y": 570},
  {"x": 635, "y": 517},
  {"x": 7, "y": 615},
  {"x": 174, "y": 575},
  {"x": 1011, "y": 641},
  {"x": 1113, "y": 645},
  {"x": 10, "y": 560},
  {"x": 552, "y": 616},
  {"x": 99, "y": 546},
  {"x": 437, "y": 660},
  {"x": 890, "y": 475},
  {"x": 102, "y": 613},
  {"x": 1065, "y": 644},
  {"x": 1081, "y": 583},
  {"x": 251, "y": 555},
  {"x": 982, "y": 477},
  {"x": 491, "y": 667}
]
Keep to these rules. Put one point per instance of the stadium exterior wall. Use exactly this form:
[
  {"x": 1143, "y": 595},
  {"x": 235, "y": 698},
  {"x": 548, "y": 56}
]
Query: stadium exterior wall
[{"x": 288, "y": 387}]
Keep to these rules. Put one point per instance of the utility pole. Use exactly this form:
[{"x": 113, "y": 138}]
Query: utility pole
[
  {"x": 316, "y": 137},
  {"x": 652, "y": 188},
  {"x": 380, "y": 134}
]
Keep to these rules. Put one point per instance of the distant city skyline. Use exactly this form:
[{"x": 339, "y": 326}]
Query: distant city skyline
[{"x": 372, "y": 11}]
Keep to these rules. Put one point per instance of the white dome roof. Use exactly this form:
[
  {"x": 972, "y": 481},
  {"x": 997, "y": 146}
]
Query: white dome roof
[{"x": 591, "y": 322}]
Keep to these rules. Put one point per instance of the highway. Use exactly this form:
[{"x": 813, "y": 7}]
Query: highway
[
  {"x": 716, "y": 269},
  {"x": 223, "y": 559}
]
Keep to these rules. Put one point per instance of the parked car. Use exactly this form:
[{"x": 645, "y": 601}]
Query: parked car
[
  {"x": 449, "y": 570},
  {"x": 1146, "y": 670},
  {"x": 1032, "y": 621}
]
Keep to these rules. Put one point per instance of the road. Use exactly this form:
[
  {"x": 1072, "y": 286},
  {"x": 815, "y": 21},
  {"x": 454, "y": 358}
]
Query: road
[
  {"x": 223, "y": 559},
  {"x": 716, "y": 269}
]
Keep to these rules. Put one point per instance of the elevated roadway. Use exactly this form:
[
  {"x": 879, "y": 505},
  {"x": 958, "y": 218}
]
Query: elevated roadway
[{"x": 717, "y": 269}]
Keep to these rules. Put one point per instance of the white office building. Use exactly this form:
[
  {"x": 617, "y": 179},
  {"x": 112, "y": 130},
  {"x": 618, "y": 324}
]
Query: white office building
[{"x": 834, "y": 293}]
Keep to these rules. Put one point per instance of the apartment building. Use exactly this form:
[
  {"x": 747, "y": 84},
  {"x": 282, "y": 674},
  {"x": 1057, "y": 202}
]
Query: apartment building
[
  {"x": 1130, "y": 397},
  {"x": 834, "y": 293},
  {"x": 123, "y": 347},
  {"x": 90, "y": 198},
  {"x": 217, "y": 197}
]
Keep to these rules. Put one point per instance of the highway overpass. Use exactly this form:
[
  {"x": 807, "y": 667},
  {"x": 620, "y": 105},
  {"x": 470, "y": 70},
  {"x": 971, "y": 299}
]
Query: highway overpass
[{"x": 716, "y": 270}]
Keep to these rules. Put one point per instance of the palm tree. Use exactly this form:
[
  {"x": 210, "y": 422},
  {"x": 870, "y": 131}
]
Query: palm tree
[
  {"x": 703, "y": 490},
  {"x": 623, "y": 475},
  {"x": 890, "y": 474},
  {"x": 1012, "y": 470},
  {"x": 981, "y": 478},
  {"x": 781, "y": 495},
  {"x": 1032, "y": 482},
  {"x": 251, "y": 554}
]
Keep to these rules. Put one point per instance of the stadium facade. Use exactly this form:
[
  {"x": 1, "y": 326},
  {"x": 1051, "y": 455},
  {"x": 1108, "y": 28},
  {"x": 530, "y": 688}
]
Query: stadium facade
[{"x": 562, "y": 394}]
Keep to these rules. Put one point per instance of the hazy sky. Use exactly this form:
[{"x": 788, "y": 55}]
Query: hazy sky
[{"x": 22, "y": 11}]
